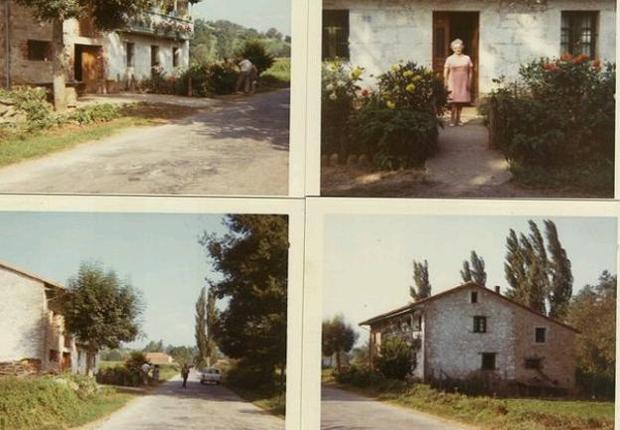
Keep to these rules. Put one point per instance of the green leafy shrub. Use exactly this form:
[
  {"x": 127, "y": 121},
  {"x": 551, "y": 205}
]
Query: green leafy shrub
[
  {"x": 33, "y": 103},
  {"x": 120, "y": 375},
  {"x": 559, "y": 115},
  {"x": 95, "y": 114},
  {"x": 340, "y": 87},
  {"x": 395, "y": 361},
  {"x": 213, "y": 79},
  {"x": 197, "y": 73},
  {"x": 395, "y": 137},
  {"x": 256, "y": 52},
  {"x": 409, "y": 86}
]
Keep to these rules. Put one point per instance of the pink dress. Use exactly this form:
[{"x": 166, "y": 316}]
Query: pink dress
[{"x": 458, "y": 80}]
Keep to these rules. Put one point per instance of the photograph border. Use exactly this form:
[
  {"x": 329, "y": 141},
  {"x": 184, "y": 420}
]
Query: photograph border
[
  {"x": 319, "y": 209},
  {"x": 295, "y": 209}
]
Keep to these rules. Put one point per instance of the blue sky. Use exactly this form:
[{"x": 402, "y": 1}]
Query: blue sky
[
  {"x": 367, "y": 266},
  {"x": 258, "y": 14},
  {"x": 159, "y": 254}
]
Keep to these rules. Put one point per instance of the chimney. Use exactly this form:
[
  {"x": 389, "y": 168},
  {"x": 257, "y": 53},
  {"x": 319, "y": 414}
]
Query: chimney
[{"x": 498, "y": 289}]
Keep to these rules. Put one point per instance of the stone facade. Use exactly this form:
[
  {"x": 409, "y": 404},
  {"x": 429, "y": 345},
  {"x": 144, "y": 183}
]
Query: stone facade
[
  {"x": 450, "y": 347},
  {"x": 32, "y": 328},
  {"x": 100, "y": 60},
  {"x": 384, "y": 32}
]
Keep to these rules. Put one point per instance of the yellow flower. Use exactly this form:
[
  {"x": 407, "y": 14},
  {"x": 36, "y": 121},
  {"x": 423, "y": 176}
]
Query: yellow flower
[
  {"x": 357, "y": 73},
  {"x": 410, "y": 88},
  {"x": 408, "y": 73},
  {"x": 395, "y": 67},
  {"x": 390, "y": 104},
  {"x": 417, "y": 78}
]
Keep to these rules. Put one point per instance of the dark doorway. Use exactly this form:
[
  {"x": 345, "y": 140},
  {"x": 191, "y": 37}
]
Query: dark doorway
[{"x": 448, "y": 26}]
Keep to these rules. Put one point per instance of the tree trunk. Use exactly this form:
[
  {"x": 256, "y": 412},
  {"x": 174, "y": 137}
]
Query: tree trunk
[
  {"x": 91, "y": 359},
  {"x": 59, "y": 67},
  {"x": 338, "y": 361}
]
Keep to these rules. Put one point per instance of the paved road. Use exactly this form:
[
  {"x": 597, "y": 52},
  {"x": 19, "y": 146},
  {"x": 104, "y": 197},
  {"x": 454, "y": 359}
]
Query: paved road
[
  {"x": 341, "y": 410},
  {"x": 197, "y": 407},
  {"x": 238, "y": 148}
]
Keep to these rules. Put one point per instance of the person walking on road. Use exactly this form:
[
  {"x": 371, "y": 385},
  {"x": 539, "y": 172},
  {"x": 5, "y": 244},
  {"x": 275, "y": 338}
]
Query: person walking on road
[
  {"x": 145, "y": 368},
  {"x": 185, "y": 374}
]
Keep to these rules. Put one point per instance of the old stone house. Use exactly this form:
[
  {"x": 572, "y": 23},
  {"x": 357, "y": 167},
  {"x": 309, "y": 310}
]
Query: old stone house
[
  {"x": 159, "y": 358},
  {"x": 99, "y": 61},
  {"x": 499, "y": 35},
  {"x": 472, "y": 332},
  {"x": 32, "y": 334}
]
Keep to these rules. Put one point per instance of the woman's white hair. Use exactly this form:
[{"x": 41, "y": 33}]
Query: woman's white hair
[{"x": 456, "y": 42}]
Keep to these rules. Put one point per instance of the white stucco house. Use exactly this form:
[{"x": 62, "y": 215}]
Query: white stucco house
[
  {"x": 32, "y": 334},
  {"x": 475, "y": 332},
  {"x": 99, "y": 61},
  {"x": 499, "y": 35}
]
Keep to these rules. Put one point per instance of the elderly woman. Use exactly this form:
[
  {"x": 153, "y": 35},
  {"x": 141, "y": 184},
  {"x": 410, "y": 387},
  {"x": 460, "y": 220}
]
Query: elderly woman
[{"x": 458, "y": 73}]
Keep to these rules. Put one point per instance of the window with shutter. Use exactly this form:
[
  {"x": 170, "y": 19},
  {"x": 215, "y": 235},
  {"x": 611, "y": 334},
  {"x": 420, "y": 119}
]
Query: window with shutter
[{"x": 335, "y": 34}]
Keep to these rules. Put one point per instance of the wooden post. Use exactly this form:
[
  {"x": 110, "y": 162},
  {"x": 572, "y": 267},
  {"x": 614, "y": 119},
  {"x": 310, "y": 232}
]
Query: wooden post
[{"x": 190, "y": 89}]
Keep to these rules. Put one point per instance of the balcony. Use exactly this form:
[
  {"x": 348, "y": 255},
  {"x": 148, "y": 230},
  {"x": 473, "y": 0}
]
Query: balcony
[{"x": 161, "y": 25}]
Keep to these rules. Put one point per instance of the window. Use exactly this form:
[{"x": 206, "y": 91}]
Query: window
[
  {"x": 488, "y": 361},
  {"x": 579, "y": 33},
  {"x": 175, "y": 57},
  {"x": 131, "y": 54},
  {"x": 154, "y": 55},
  {"x": 480, "y": 324},
  {"x": 54, "y": 355},
  {"x": 541, "y": 335},
  {"x": 533, "y": 363},
  {"x": 335, "y": 34},
  {"x": 39, "y": 50},
  {"x": 474, "y": 297}
]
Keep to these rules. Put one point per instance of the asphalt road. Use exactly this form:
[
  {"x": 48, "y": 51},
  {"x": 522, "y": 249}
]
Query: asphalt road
[
  {"x": 204, "y": 407},
  {"x": 239, "y": 148},
  {"x": 342, "y": 410}
]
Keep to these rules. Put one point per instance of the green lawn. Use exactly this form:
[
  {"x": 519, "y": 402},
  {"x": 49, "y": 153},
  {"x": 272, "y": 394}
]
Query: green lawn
[
  {"x": 493, "y": 413},
  {"x": 278, "y": 76},
  {"x": 55, "y": 403},
  {"x": 16, "y": 147}
]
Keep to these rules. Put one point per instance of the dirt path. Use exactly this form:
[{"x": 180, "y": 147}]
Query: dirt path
[
  {"x": 240, "y": 148},
  {"x": 197, "y": 407},
  {"x": 342, "y": 410}
]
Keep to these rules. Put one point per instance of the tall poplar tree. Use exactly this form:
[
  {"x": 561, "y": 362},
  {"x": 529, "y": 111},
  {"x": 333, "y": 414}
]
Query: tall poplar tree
[
  {"x": 560, "y": 274},
  {"x": 202, "y": 341},
  {"x": 422, "y": 285},
  {"x": 211, "y": 351},
  {"x": 474, "y": 271}
]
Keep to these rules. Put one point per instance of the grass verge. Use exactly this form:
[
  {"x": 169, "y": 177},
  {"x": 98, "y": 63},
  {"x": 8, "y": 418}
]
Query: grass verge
[
  {"x": 272, "y": 402},
  {"x": 20, "y": 146},
  {"x": 276, "y": 77},
  {"x": 494, "y": 413},
  {"x": 55, "y": 403}
]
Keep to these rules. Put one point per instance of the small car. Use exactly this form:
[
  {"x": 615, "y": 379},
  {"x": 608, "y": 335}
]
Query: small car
[{"x": 210, "y": 376}]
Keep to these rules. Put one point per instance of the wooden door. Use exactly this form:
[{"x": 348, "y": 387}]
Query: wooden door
[
  {"x": 91, "y": 69},
  {"x": 441, "y": 41},
  {"x": 66, "y": 361}
]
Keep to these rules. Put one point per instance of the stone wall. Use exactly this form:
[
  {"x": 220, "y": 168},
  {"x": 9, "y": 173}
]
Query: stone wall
[
  {"x": 384, "y": 32},
  {"x": 23, "y": 316},
  {"x": 452, "y": 348}
]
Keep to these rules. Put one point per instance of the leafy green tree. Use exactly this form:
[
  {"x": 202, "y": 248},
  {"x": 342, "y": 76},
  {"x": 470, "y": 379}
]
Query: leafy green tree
[
  {"x": 538, "y": 271},
  {"x": 593, "y": 312},
  {"x": 338, "y": 338},
  {"x": 476, "y": 271},
  {"x": 182, "y": 354},
  {"x": 202, "y": 340},
  {"x": 560, "y": 273},
  {"x": 100, "y": 310},
  {"x": 395, "y": 359},
  {"x": 252, "y": 265},
  {"x": 422, "y": 285},
  {"x": 255, "y": 51},
  {"x": 153, "y": 346},
  {"x": 211, "y": 319},
  {"x": 106, "y": 15}
]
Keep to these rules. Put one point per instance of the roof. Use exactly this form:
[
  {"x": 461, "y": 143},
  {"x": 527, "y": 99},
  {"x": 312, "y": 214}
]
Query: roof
[
  {"x": 158, "y": 356},
  {"x": 420, "y": 303},
  {"x": 46, "y": 282}
]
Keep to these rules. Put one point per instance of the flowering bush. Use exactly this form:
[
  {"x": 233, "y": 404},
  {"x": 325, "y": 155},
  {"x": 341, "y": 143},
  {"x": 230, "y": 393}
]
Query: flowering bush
[
  {"x": 409, "y": 86},
  {"x": 559, "y": 114},
  {"x": 399, "y": 124},
  {"x": 340, "y": 88}
]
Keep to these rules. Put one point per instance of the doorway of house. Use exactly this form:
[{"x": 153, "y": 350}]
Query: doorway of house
[
  {"x": 66, "y": 361},
  {"x": 88, "y": 67},
  {"x": 448, "y": 26}
]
